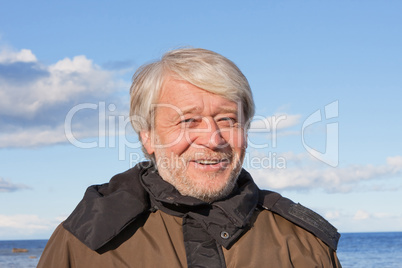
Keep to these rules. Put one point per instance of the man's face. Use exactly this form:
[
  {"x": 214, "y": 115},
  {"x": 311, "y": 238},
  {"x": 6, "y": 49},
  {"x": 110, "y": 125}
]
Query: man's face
[{"x": 198, "y": 140}]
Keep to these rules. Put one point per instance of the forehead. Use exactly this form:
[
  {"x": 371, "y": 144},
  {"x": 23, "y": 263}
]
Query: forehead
[{"x": 186, "y": 96}]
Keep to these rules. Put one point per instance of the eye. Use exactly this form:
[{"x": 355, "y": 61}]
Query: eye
[
  {"x": 227, "y": 121},
  {"x": 189, "y": 122}
]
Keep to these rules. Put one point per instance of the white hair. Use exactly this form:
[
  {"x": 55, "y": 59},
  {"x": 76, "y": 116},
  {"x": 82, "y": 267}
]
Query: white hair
[{"x": 203, "y": 68}]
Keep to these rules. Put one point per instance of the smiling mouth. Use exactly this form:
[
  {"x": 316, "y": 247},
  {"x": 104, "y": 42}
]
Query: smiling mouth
[{"x": 211, "y": 161}]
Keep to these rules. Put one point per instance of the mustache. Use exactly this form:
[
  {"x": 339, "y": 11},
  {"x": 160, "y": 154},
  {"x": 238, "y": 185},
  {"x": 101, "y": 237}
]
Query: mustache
[
  {"x": 196, "y": 156},
  {"x": 173, "y": 160}
]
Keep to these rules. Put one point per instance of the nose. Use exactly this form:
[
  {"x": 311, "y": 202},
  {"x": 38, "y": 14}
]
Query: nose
[{"x": 209, "y": 135}]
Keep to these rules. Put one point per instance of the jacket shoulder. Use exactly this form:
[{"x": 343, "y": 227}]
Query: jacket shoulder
[
  {"x": 301, "y": 216},
  {"x": 109, "y": 208},
  {"x": 57, "y": 252}
]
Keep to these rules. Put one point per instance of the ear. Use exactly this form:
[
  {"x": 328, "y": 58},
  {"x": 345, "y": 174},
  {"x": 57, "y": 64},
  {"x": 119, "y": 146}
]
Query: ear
[
  {"x": 146, "y": 141},
  {"x": 246, "y": 142},
  {"x": 245, "y": 145}
]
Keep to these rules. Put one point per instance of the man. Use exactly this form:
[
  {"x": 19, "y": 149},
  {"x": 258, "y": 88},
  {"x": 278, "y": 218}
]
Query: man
[{"x": 192, "y": 205}]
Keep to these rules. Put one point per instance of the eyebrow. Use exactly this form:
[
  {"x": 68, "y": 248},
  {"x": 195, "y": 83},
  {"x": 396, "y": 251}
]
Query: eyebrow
[
  {"x": 228, "y": 110},
  {"x": 189, "y": 110},
  {"x": 195, "y": 109}
]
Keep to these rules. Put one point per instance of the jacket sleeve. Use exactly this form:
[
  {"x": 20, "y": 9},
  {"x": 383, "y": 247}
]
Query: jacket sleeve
[
  {"x": 335, "y": 260},
  {"x": 56, "y": 252}
]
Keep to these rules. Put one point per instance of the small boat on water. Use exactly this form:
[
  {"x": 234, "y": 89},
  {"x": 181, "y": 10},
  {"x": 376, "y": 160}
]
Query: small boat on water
[{"x": 19, "y": 250}]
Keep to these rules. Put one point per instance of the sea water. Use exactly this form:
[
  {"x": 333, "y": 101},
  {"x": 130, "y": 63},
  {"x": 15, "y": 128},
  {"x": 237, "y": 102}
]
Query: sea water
[
  {"x": 9, "y": 259},
  {"x": 357, "y": 250},
  {"x": 362, "y": 250}
]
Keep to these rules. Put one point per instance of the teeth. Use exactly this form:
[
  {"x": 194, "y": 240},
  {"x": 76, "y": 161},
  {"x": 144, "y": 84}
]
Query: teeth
[{"x": 207, "y": 162}]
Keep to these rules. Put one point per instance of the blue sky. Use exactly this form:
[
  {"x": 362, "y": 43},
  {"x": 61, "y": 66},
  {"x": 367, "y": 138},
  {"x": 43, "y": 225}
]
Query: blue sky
[{"x": 65, "y": 68}]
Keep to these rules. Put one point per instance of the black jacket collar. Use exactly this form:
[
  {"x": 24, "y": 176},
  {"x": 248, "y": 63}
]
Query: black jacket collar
[
  {"x": 231, "y": 214},
  {"x": 107, "y": 209}
]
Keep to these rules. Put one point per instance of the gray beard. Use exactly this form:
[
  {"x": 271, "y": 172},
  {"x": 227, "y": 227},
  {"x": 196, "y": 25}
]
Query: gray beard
[{"x": 187, "y": 187}]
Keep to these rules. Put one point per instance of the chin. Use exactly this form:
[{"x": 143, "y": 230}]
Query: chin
[
  {"x": 210, "y": 189},
  {"x": 206, "y": 186}
]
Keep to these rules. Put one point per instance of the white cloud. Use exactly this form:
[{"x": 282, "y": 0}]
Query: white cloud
[
  {"x": 34, "y": 137},
  {"x": 32, "y": 222},
  {"x": 382, "y": 215},
  {"x": 310, "y": 176},
  {"x": 273, "y": 123},
  {"x": 361, "y": 215},
  {"x": 265, "y": 132},
  {"x": 25, "y": 225},
  {"x": 395, "y": 162},
  {"x": 35, "y": 98},
  {"x": 364, "y": 215},
  {"x": 332, "y": 215},
  {"x": 63, "y": 82},
  {"x": 8, "y": 55},
  {"x": 7, "y": 186}
]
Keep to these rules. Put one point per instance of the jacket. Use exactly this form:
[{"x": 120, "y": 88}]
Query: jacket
[{"x": 139, "y": 220}]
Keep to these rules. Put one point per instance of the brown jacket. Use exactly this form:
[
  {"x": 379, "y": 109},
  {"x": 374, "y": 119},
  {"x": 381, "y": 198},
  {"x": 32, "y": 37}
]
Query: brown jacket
[{"x": 165, "y": 236}]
